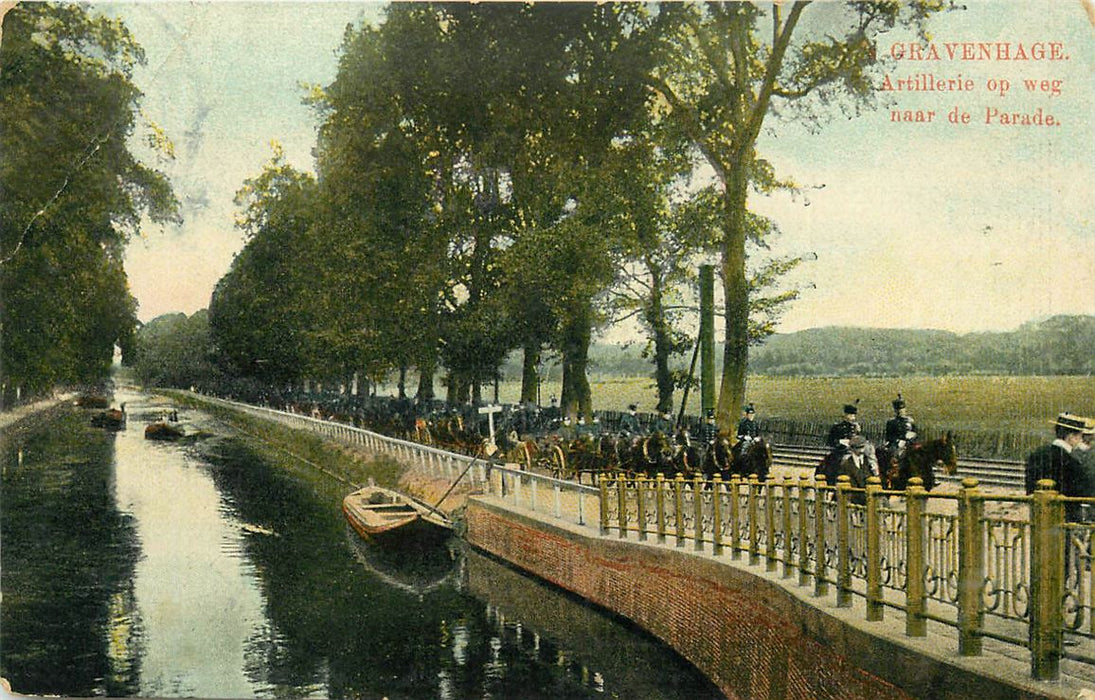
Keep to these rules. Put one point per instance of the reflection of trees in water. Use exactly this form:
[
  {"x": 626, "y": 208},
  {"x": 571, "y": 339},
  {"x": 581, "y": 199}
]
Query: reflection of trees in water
[
  {"x": 599, "y": 651},
  {"x": 68, "y": 561},
  {"x": 335, "y": 624}
]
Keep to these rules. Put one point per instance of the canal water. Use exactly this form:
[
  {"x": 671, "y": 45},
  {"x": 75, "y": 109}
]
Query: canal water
[{"x": 198, "y": 568}]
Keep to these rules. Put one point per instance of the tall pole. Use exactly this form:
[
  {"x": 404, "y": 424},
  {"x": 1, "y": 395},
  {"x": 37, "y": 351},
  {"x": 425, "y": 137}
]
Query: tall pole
[{"x": 707, "y": 338}]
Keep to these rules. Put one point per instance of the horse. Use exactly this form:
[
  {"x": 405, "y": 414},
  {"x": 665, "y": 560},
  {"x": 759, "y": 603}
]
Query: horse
[
  {"x": 655, "y": 455},
  {"x": 752, "y": 457},
  {"x": 920, "y": 460},
  {"x": 719, "y": 458}
]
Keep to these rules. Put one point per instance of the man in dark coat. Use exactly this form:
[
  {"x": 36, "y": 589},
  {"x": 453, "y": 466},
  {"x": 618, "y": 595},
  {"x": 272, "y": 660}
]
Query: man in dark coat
[
  {"x": 1057, "y": 461},
  {"x": 710, "y": 430},
  {"x": 841, "y": 433},
  {"x": 900, "y": 430},
  {"x": 629, "y": 422},
  {"x": 747, "y": 426}
]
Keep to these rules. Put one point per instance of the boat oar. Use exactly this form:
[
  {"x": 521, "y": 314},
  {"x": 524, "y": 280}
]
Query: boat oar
[{"x": 462, "y": 475}]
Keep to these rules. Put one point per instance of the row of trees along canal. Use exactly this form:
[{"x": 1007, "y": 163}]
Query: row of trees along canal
[
  {"x": 500, "y": 176},
  {"x": 71, "y": 194}
]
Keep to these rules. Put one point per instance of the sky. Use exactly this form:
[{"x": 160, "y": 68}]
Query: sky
[{"x": 961, "y": 227}]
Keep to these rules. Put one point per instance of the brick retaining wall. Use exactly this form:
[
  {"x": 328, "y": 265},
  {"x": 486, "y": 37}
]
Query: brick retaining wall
[{"x": 766, "y": 643}]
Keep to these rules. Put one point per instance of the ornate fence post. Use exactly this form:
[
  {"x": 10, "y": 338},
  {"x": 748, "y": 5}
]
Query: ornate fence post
[
  {"x": 754, "y": 526},
  {"x": 1047, "y": 586},
  {"x": 843, "y": 544},
  {"x": 770, "y": 554},
  {"x": 640, "y": 505},
  {"x": 803, "y": 532},
  {"x": 788, "y": 530},
  {"x": 621, "y": 489},
  {"x": 697, "y": 502},
  {"x": 916, "y": 625},
  {"x": 821, "y": 586},
  {"x": 874, "y": 551},
  {"x": 716, "y": 514},
  {"x": 971, "y": 568},
  {"x": 678, "y": 508},
  {"x": 604, "y": 504},
  {"x": 659, "y": 503},
  {"x": 735, "y": 517}
]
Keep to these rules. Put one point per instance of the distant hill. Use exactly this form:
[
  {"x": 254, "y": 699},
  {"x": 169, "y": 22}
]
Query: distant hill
[
  {"x": 1061, "y": 345},
  {"x": 1055, "y": 346}
]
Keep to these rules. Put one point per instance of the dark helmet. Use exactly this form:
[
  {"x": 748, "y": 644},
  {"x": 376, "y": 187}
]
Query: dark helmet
[
  {"x": 710, "y": 413},
  {"x": 851, "y": 408},
  {"x": 750, "y": 409},
  {"x": 899, "y": 403}
]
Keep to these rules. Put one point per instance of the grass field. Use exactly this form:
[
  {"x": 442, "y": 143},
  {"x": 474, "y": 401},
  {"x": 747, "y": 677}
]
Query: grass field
[{"x": 1009, "y": 404}]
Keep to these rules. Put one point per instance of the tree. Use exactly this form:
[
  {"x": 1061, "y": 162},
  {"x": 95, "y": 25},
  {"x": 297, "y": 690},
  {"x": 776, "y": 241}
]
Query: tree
[
  {"x": 719, "y": 77},
  {"x": 261, "y": 315},
  {"x": 71, "y": 193}
]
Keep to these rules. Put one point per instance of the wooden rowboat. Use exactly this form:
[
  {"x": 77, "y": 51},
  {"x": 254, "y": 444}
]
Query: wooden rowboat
[
  {"x": 380, "y": 513},
  {"x": 162, "y": 431}
]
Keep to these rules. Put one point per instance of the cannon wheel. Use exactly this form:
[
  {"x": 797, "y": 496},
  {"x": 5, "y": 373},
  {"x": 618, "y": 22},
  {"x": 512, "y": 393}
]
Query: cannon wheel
[
  {"x": 526, "y": 456},
  {"x": 558, "y": 462}
]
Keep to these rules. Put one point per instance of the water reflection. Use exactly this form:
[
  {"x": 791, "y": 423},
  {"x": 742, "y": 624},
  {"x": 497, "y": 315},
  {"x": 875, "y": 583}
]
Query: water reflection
[
  {"x": 136, "y": 568},
  {"x": 67, "y": 559}
]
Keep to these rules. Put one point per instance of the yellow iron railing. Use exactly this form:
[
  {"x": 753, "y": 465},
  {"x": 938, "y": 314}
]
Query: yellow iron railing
[{"x": 934, "y": 557}]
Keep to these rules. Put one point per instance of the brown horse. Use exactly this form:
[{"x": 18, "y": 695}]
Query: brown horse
[
  {"x": 752, "y": 457},
  {"x": 920, "y": 460}
]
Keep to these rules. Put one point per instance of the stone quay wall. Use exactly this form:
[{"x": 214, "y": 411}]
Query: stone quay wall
[{"x": 752, "y": 637}]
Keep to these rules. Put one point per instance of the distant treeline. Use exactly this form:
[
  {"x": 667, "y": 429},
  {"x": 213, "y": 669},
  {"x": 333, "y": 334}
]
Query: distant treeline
[{"x": 1061, "y": 345}]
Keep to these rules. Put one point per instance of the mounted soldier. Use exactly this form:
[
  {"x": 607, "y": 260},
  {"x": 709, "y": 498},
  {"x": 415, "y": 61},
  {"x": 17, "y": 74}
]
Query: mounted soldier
[
  {"x": 901, "y": 430},
  {"x": 709, "y": 432},
  {"x": 664, "y": 423},
  {"x": 841, "y": 433},
  {"x": 839, "y": 442},
  {"x": 747, "y": 426},
  {"x": 629, "y": 422}
]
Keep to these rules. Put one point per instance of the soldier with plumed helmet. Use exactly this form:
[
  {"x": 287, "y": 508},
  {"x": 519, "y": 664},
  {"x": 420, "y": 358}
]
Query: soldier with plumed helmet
[
  {"x": 840, "y": 434},
  {"x": 901, "y": 429}
]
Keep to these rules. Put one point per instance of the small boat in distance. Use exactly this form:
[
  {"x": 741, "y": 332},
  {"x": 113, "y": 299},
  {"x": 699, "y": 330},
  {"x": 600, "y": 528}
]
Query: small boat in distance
[
  {"x": 379, "y": 513},
  {"x": 162, "y": 431},
  {"x": 111, "y": 419}
]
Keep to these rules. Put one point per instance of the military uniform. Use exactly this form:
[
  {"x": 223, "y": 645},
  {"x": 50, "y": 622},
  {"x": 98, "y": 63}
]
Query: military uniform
[
  {"x": 844, "y": 430},
  {"x": 710, "y": 431},
  {"x": 629, "y": 423},
  {"x": 748, "y": 429},
  {"x": 899, "y": 431},
  {"x": 663, "y": 424}
]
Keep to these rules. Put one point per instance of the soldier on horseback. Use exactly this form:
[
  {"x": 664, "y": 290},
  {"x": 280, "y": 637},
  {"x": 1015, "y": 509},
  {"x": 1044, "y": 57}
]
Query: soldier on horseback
[
  {"x": 629, "y": 422},
  {"x": 900, "y": 430},
  {"x": 840, "y": 434},
  {"x": 747, "y": 426},
  {"x": 710, "y": 430}
]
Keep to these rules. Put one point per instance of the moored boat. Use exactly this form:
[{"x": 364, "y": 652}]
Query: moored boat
[
  {"x": 380, "y": 513},
  {"x": 111, "y": 419},
  {"x": 162, "y": 431}
]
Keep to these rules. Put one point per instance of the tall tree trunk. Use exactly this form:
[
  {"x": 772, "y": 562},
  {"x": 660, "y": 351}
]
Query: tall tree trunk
[
  {"x": 402, "y": 385},
  {"x": 663, "y": 345},
  {"x": 425, "y": 392},
  {"x": 530, "y": 378},
  {"x": 577, "y": 334},
  {"x": 736, "y": 293}
]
